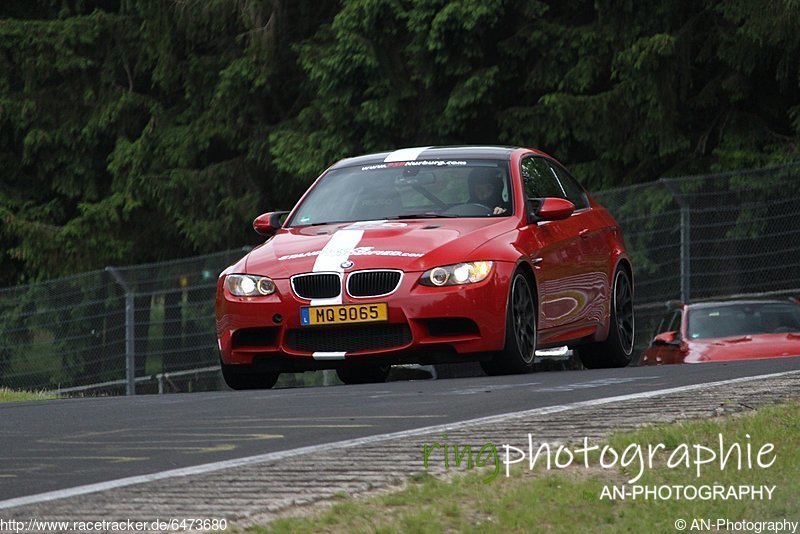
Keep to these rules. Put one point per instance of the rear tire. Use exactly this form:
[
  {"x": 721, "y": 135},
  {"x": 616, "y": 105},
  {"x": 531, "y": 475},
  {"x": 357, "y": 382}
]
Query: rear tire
[
  {"x": 243, "y": 377},
  {"x": 617, "y": 349},
  {"x": 363, "y": 374},
  {"x": 520, "y": 346}
]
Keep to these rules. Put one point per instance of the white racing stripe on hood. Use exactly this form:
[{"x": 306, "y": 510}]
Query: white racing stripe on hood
[
  {"x": 333, "y": 254},
  {"x": 405, "y": 154},
  {"x": 328, "y": 355}
]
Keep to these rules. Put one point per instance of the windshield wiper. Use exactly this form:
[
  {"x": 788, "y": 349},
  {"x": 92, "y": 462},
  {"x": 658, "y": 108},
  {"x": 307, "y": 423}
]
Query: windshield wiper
[
  {"x": 422, "y": 216},
  {"x": 319, "y": 224},
  {"x": 390, "y": 218}
]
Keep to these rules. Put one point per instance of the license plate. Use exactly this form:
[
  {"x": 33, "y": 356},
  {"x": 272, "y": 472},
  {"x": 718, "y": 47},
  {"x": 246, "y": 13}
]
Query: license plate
[{"x": 343, "y": 314}]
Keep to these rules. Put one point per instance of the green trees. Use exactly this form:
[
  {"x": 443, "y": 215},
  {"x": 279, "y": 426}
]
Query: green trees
[{"x": 139, "y": 131}]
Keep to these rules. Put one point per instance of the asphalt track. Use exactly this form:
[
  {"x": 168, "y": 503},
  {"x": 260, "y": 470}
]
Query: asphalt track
[{"x": 52, "y": 445}]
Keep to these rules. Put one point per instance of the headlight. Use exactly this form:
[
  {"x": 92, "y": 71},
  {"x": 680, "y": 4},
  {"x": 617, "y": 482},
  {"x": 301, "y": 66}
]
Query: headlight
[
  {"x": 245, "y": 285},
  {"x": 457, "y": 274}
]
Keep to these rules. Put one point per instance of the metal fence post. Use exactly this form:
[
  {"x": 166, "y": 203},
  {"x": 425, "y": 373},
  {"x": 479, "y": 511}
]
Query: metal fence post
[
  {"x": 130, "y": 359},
  {"x": 686, "y": 219}
]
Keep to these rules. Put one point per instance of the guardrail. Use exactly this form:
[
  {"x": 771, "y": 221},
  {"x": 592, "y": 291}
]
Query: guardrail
[{"x": 160, "y": 378}]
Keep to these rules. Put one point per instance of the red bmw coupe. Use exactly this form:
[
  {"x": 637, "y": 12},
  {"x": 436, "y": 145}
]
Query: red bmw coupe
[
  {"x": 428, "y": 255},
  {"x": 725, "y": 331}
]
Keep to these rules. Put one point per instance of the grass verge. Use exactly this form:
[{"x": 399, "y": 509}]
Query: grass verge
[
  {"x": 10, "y": 395},
  {"x": 563, "y": 500}
]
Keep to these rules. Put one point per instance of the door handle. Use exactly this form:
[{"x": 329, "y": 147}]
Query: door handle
[{"x": 584, "y": 233}]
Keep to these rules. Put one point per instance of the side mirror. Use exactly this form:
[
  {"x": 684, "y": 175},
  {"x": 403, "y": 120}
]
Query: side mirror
[
  {"x": 552, "y": 209},
  {"x": 269, "y": 223},
  {"x": 667, "y": 338}
]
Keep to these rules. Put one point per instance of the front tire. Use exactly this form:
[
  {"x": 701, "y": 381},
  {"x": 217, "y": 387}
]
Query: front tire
[
  {"x": 363, "y": 374},
  {"x": 244, "y": 377},
  {"x": 617, "y": 349},
  {"x": 520, "y": 346}
]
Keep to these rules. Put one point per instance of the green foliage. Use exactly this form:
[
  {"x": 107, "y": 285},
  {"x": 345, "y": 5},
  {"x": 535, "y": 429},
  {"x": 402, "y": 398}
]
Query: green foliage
[
  {"x": 138, "y": 131},
  {"x": 10, "y": 395}
]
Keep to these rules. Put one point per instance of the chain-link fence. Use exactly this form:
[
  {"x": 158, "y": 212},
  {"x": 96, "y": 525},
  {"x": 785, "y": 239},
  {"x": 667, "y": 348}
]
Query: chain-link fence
[
  {"x": 152, "y": 324},
  {"x": 715, "y": 236},
  {"x": 690, "y": 238}
]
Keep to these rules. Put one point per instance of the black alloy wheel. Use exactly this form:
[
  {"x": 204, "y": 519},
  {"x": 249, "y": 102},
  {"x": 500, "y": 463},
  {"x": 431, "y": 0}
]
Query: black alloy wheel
[
  {"x": 617, "y": 349},
  {"x": 623, "y": 311},
  {"x": 520, "y": 348}
]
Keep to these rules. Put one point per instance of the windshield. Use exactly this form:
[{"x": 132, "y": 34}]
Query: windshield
[
  {"x": 409, "y": 189},
  {"x": 743, "y": 319}
]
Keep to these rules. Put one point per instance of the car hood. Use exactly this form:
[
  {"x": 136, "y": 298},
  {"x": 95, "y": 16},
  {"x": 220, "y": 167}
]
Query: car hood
[
  {"x": 407, "y": 245},
  {"x": 744, "y": 347}
]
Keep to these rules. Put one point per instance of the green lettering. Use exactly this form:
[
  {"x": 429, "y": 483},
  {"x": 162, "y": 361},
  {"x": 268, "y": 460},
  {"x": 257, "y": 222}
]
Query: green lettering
[
  {"x": 480, "y": 461},
  {"x": 426, "y": 452},
  {"x": 458, "y": 457}
]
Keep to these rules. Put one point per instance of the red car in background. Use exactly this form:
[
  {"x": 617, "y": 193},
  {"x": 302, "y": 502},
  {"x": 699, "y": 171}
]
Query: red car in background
[
  {"x": 428, "y": 255},
  {"x": 724, "y": 331}
]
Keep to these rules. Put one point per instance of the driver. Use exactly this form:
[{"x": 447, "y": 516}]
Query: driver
[{"x": 486, "y": 188}]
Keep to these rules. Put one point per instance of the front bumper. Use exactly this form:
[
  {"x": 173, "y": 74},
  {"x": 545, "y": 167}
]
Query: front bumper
[{"x": 425, "y": 325}]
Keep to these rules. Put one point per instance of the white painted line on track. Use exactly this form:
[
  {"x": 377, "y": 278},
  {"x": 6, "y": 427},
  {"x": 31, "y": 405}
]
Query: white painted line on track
[{"x": 280, "y": 455}]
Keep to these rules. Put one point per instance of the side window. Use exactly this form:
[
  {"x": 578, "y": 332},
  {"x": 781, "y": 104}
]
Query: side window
[
  {"x": 539, "y": 180},
  {"x": 675, "y": 324},
  {"x": 572, "y": 188}
]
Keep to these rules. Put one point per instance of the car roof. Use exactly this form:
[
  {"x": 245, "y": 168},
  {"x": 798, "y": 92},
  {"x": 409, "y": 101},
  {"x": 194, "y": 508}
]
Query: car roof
[
  {"x": 723, "y": 303},
  {"x": 433, "y": 152}
]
